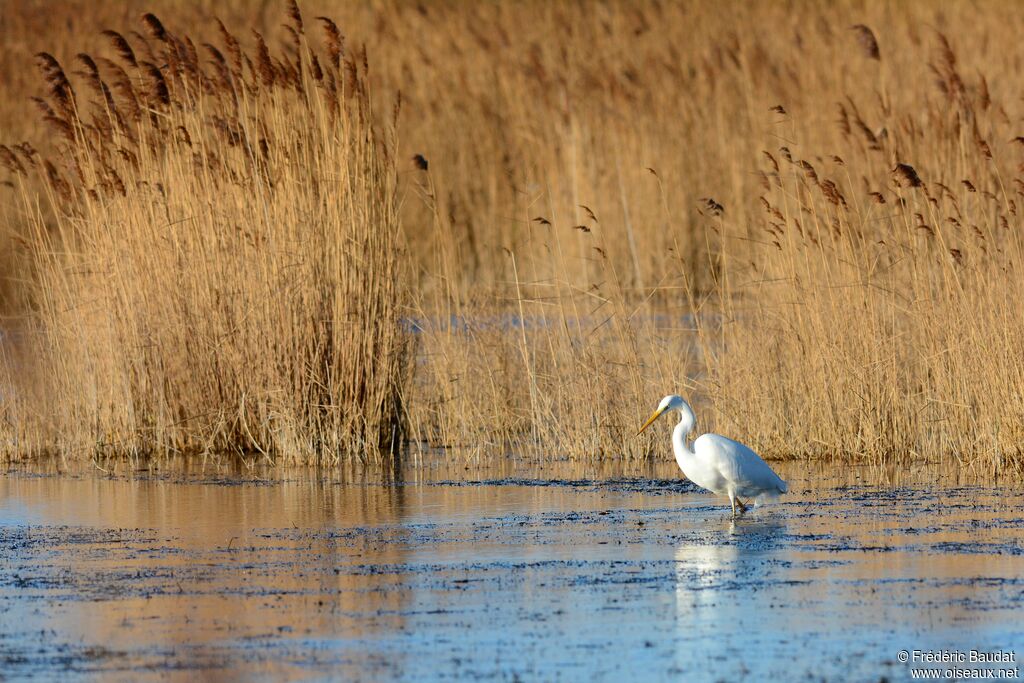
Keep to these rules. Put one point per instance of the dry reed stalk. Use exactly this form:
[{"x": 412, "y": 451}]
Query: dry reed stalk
[
  {"x": 826, "y": 302},
  {"x": 226, "y": 279}
]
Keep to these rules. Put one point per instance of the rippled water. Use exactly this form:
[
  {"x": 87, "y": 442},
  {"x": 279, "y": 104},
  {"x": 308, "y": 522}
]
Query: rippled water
[{"x": 556, "y": 576}]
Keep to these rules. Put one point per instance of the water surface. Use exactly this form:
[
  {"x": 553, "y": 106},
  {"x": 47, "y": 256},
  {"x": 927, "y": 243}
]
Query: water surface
[{"x": 469, "y": 574}]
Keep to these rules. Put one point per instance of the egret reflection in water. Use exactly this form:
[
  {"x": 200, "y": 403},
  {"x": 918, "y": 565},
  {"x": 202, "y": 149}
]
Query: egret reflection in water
[{"x": 724, "y": 566}]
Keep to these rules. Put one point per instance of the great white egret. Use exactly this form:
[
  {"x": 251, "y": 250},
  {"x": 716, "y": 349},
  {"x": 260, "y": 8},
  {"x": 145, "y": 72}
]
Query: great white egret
[{"x": 716, "y": 463}]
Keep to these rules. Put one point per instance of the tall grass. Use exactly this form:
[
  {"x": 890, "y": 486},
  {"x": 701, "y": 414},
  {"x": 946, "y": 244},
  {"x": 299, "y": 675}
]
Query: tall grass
[
  {"x": 824, "y": 254},
  {"x": 217, "y": 260},
  {"x": 806, "y": 220}
]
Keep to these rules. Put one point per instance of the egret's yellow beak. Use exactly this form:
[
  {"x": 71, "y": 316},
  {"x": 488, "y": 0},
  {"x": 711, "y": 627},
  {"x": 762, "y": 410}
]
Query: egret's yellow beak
[{"x": 657, "y": 414}]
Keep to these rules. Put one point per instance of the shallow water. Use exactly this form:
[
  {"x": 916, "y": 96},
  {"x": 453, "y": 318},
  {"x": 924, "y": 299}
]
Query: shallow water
[{"x": 502, "y": 578}]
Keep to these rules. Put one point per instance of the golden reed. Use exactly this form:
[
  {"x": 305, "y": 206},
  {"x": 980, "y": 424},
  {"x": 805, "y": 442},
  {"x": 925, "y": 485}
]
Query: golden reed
[{"x": 812, "y": 230}]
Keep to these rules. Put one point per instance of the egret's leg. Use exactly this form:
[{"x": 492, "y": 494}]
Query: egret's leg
[
  {"x": 732, "y": 499},
  {"x": 741, "y": 504}
]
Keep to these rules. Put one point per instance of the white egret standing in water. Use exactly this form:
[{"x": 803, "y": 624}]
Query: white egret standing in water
[{"x": 716, "y": 463}]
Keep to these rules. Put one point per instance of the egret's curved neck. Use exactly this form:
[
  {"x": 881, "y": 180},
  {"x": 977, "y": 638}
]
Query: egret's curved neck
[{"x": 680, "y": 443}]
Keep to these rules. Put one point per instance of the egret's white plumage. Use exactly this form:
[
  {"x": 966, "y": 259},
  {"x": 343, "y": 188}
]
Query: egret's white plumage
[{"x": 717, "y": 463}]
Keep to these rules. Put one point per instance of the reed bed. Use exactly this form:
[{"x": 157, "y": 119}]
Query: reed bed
[
  {"x": 802, "y": 215},
  {"x": 216, "y": 260}
]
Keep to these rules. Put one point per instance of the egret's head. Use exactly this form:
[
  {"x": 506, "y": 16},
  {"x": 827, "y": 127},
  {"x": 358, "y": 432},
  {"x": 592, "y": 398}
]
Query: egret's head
[{"x": 668, "y": 403}]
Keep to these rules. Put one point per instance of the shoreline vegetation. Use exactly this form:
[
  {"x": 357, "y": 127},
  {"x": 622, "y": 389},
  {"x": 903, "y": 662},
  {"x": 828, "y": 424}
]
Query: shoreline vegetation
[{"x": 512, "y": 228}]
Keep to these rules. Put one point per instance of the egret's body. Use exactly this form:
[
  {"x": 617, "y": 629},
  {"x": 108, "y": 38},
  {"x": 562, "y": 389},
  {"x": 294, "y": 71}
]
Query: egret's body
[{"x": 717, "y": 463}]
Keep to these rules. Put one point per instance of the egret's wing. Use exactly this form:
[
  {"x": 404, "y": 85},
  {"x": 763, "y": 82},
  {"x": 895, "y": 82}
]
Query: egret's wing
[{"x": 738, "y": 464}]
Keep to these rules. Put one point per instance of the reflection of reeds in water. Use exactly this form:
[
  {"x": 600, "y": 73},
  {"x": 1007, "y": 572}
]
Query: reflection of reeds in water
[
  {"x": 273, "y": 556},
  {"x": 813, "y": 229}
]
